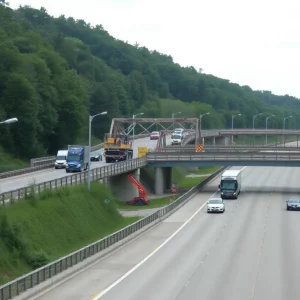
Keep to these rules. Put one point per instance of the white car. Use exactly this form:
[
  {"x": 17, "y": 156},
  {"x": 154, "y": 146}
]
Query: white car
[{"x": 215, "y": 205}]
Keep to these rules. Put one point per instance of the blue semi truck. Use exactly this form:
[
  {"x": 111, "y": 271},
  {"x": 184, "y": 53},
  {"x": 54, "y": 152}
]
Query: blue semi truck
[{"x": 77, "y": 158}]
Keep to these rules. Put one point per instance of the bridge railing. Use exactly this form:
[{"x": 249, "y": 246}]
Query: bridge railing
[
  {"x": 71, "y": 180},
  {"x": 41, "y": 163},
  {"x": 44, "y": 277},
  {"x": 232, "y": 156}
]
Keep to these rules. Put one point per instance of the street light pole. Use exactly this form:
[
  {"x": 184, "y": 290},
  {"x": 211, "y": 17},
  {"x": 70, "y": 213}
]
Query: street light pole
[
  {"x": 259, "y": 114},
  {"x": 133, "y": 116},
  {"x": 267, "y": 119},
  {"x": 232, "y": 119},
  {"x": 90, "y": 145},
  {"x": 173, "y": 116},
  {"x": 9, "y": 121},
  {"x": 200, "y": 124},
  {"x": 284, "y": 121}
]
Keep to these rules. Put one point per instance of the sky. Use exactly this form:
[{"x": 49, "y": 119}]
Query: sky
[{"x": 254, "y": 43}]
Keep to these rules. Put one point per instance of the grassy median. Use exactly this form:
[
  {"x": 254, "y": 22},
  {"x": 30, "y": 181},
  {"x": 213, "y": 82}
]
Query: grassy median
[{"x": 38, "y": 230}]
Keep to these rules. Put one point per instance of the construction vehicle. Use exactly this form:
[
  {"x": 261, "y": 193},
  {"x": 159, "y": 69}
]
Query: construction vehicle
[
  {"x": 141, "y": 199},
  {"x": 117, "y": 147}
]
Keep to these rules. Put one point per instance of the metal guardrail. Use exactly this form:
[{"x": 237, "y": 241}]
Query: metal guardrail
[
  {"x": 189, "y": 149},
  {"x": 78, "y": 178},
  {"x": 41, "y": 275},
  {"x": 41, "y": 163},
  {"x": 231, "y": 156}
]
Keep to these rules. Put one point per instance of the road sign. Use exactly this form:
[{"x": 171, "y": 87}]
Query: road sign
[
  {"x": 106, "y": 201},
  {"x": 142, "y": 151},
  {"x": 199, "y": 148}
]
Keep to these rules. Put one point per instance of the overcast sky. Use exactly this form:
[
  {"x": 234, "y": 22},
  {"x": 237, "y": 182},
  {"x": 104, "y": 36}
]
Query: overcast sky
[{"x": 253, "y": 43}]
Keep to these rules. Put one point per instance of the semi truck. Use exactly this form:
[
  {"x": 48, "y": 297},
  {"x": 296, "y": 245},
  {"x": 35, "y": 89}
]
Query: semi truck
[
  {"x": 61, "y": 159},
  {"x": 231, "y": 183},
  {"x": 77, "y": 158},
  {"x": 117, "y": 147}
]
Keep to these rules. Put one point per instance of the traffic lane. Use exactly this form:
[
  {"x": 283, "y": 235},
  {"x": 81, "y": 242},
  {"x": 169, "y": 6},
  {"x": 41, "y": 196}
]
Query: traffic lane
[
  {"x": 165, "y": 274},
  {"x": 264, "y": 179},
  {"x": 278, "y": 276},
  {"x": 112, "y": 267},
  {"x": 231, "y": 270},
  {"x": 13, "y": 183},
  {"x": 271, "y": 179}
]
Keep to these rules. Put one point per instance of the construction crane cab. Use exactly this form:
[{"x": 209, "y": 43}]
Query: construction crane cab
[{"x": 117, "y": 147}]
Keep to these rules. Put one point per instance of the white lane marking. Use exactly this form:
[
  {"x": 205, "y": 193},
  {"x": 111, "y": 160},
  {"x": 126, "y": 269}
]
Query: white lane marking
[
  {"x": 105, "y": 291},
  {"x": 243, "y": 168}
]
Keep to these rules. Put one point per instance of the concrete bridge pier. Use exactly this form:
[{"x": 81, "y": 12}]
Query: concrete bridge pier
[
  {"x": 122, "y": 186},
  {"x": 163, "y": 179}
]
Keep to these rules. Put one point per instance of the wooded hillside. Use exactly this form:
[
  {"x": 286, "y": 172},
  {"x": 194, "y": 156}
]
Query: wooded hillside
[{"x": 54, "y": 71}]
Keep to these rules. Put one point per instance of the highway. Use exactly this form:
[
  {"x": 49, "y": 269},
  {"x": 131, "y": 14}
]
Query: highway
[
  {"x": 17, "y": 182},
  {"x": 249, "y": 252}
]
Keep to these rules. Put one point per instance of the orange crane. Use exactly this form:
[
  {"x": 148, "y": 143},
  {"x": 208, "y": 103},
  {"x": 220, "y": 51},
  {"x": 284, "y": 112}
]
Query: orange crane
[{"x": 141, "y": 199}]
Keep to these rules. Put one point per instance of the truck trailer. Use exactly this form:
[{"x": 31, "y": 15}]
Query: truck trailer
[
  {"x": 231, "y": 183},
  {"x": 77, "y": 158}
]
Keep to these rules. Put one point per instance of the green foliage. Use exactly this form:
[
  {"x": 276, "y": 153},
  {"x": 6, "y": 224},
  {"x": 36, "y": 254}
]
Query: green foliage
[
  {"x": 58, "y": 223},
  {"x": 55, "y": 71}
]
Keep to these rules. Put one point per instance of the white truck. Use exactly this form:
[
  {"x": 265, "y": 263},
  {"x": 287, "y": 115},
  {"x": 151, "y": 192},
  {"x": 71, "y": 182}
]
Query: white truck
[
  {"x": 231, "y": 183},
  {"x": 61, "y": 159}
]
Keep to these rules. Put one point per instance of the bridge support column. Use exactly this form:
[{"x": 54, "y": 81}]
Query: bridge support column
[
  {"x": 214, "y": 140},
  {"x": 168, "y": 177},
  {"x": 159, "y": 181},
  {"x": 122, "y": 186},
  {"x": 163, "y": 180}
]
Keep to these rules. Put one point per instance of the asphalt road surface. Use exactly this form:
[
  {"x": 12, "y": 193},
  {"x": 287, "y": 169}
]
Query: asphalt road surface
[
  {"x": 13, "y": 183},
  {"x": 249, "y": 252}
]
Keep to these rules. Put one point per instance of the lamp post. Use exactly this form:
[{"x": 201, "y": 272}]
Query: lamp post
[
  {"x": 232, "y": 119},
  {"x": 173, "y": 116},
  {"x": 267, "y": 119},
  {"x": 9, "y": 121},
  {"x": 90, "y": 142},
  {"x": 259, "y": 114},
  {"x": 200, "y": 124},
  {"x": 284, "y": 121},
  {"x": 133, "y": 116}
]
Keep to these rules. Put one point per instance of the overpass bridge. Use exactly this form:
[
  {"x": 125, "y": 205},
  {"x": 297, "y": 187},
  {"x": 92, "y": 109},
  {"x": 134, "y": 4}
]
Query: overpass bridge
[
  {"x": 282, "y": 159},
  {"x": 18, "y": 185}
]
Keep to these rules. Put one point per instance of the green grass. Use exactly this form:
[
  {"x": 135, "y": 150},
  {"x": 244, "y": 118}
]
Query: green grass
[
  {"x": 154, "y": 203},
  {"x": 189, "y": 182},
  {"x": 205, "y": 170},
  {"x": 41, "y": 229},
  {"x": 10, "y": 163}
]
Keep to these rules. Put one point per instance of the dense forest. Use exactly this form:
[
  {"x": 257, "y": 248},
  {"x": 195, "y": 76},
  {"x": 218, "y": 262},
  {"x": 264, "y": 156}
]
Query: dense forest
[{"x": 55, "y": 71}]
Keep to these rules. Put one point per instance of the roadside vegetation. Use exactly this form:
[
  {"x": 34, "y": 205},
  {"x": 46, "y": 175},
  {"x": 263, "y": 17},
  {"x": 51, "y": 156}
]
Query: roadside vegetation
[
  {"x": 38, "y": 230},
  {"x": 9, "y": 162},
  {"x": 61, "y": 62}
]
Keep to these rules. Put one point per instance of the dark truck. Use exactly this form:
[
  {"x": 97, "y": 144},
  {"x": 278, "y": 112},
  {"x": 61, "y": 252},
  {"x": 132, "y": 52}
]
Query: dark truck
[{"x": 77, "y": 159}]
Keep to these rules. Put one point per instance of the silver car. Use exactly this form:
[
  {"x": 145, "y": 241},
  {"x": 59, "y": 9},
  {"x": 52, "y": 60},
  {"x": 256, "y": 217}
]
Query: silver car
[{"x": 215, "y": 205}]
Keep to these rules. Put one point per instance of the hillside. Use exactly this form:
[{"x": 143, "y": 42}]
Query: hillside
[{"x": 54, "y": 71}]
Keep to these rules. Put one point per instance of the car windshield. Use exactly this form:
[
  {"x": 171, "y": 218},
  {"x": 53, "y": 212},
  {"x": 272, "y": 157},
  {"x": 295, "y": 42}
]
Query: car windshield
[
  {"x": 155, "y": 133},
  {"x": 60, "y": 158},
  {"x": 215, "y": 201},
  {"x": 294, "y": 200},
  {"x": 94, "y": 153},
  {"x": 177, "y": 136},
  {"x": 228, "y": 185},
  {"x": 73, "y": 158}
]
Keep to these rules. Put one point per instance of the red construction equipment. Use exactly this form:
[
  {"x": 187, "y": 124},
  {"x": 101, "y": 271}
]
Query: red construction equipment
[{"x": 141, "y": 199}]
